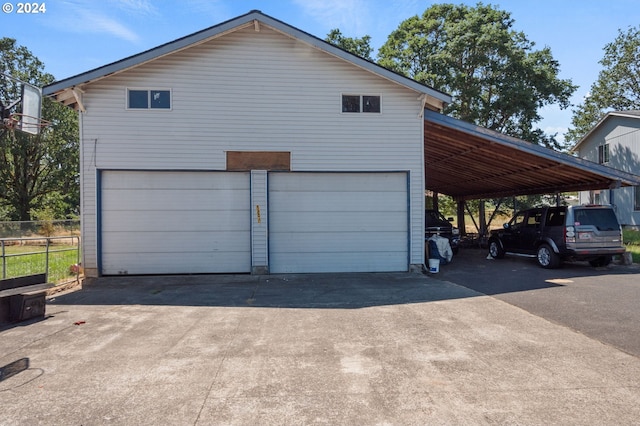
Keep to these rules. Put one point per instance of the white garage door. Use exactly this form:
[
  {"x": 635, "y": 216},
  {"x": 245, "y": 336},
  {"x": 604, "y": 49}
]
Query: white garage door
[
  {"x": 338, "y": 222},
  {"x": 174, "y": 222}
]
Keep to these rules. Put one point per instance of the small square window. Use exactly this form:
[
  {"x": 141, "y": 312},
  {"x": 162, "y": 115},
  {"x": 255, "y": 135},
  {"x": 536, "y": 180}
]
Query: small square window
[
  {"x": 160, "y": 99},
  {"x": 149, "y": 99},
  {"x": 360, "y": 103},
  {"x": 371, "y": 104},
  {"x": 139, "y": 99},
  {"x": 350, "y": 103}
]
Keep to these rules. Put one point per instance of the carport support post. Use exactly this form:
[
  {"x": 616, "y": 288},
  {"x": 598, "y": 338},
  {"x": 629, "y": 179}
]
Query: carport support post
[
  {"x": 482, "y": 219},
  {"x": 460, "y": 213},
  {"x": 611, "y": 195}
]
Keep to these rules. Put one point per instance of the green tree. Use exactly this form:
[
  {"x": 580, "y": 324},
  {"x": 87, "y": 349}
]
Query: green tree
[
  {"x": 357, "y": 46},
  {"x": 36, "y": 171},
  {"x": 494, "y": 74},
  {"x": 617, "y": 87}
]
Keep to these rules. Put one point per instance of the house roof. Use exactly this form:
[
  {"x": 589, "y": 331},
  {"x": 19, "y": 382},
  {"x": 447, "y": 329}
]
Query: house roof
[
  {"x": 68, "y": 90},
  {"x": 471, "y": 162},
  {"x": 461, "y": 159},
  {"x": 625, "y": 114}
]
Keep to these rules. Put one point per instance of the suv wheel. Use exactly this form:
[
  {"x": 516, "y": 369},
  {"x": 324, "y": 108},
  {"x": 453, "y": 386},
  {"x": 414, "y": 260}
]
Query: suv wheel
[
  {"x": 600, "y": 261},
  {"x": 547, "y": 258},
  {"x": 495, "y": 249}
]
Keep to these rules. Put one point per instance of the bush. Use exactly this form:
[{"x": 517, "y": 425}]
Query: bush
[
  {"x": 631, "y": 237},
  {"x": 632, "y": 241}
]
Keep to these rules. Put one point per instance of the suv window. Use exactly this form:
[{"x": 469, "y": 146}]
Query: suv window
[
  {"x": 518, "y": 219},
  {"x": 556, "y": 217},
  {"x": 602, "y": 219},
  {"x": 533, "y": 221}
]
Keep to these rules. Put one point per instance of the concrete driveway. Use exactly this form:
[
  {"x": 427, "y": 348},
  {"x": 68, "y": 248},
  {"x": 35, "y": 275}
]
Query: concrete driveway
[{"x": 305, "y": 349}]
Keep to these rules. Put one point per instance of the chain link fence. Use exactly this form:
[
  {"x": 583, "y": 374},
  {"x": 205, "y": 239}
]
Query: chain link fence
[
  {"x": 39, "y": 228},
  {"x": 51, "y": 247}
]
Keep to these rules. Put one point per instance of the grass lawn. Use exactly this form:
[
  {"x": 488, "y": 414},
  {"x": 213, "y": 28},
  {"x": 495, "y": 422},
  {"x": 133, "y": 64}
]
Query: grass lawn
[
  {"x": 33, "y": 261},
  {"x": 632, "y": 241}
]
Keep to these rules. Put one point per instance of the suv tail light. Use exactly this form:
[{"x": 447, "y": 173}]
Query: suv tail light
[{"x": 569, "y": 234}]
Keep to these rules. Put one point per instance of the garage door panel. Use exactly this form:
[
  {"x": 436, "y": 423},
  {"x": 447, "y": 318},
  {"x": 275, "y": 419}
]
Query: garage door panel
[
  {"x": 338, "y": 222},
  {"x": 123, "y": 179},
  {"x": 196, "y": 263},
  {"x": 162, "y": 241},
  {"x": 339, "y": 242},
  {"x": 346, "y": 221},
  {"x": 141, "y": 199},
  {"x": 335, "y": 182},
  {"x": 295, "y": 262},
  {"x": 156, "y": 222},
  {"x": 197, "y": 221},
  {"x": 309, "y": 201}
]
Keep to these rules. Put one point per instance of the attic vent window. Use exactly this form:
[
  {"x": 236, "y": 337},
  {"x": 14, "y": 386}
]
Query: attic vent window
[
  {"x": 360, "y": 103},
  {"x": 148, "y": 99}
]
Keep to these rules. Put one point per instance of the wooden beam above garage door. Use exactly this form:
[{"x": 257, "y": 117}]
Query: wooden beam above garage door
[{"x": 243, "y": 161}]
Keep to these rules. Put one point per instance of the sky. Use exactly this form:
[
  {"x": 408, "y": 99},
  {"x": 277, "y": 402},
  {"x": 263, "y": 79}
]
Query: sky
[{"x": 74, "y": 36}]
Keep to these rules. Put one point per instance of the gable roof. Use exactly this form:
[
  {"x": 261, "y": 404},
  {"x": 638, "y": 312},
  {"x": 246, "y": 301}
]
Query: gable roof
[
  {"x": 625, "y": 114},
  {"x": 468, "y": 162},
  {"x": 64, "y": 90}
]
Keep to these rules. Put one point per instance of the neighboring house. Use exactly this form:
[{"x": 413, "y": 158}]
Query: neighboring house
[
  {"x": 254, "y": 147},
  {"x": 615, "y": 142}
]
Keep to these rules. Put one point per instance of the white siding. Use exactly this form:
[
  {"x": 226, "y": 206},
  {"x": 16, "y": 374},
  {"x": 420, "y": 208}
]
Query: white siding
[
  {"x": 251, "y": 91},
  {"x": 259, "y": 221}
]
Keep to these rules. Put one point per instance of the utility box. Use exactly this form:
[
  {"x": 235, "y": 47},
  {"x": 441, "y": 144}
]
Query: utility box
[{"x": 26, "y": 306}]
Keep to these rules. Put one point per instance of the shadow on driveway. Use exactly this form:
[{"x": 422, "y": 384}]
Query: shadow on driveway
[
  {"x": 471, "y": 268},
  {"x": 467, "y": 276},
  {"x": 331, "y": 291},
  {"x": 471, "y": 274}
]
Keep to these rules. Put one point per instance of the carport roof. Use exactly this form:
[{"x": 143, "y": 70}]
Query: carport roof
[{"x": 467, "y": 162}]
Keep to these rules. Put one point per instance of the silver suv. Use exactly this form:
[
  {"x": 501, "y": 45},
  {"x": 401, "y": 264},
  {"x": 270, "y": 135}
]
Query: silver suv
[{"x": 554, "y": 234}]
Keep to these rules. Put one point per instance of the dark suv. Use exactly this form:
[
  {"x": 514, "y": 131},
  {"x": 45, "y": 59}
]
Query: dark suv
[
  {"x": 435, "y": 223},
  {"x": 553, "y": 234}
]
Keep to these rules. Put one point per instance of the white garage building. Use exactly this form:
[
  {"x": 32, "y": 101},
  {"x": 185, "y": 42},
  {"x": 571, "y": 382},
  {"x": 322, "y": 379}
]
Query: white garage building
[
  {"x": 250, "y": 146},
  {"x": 254, "y": 147}
]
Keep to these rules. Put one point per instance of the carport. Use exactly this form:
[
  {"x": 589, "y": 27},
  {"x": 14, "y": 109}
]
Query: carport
[{"x": 469, "y": 162}]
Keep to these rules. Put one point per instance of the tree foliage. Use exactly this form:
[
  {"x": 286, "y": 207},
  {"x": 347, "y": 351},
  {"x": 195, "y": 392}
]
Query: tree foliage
[
  {"x": 617, "y": 87},
  {"x": 37, "y": 172},
  {"x": 494, "y": 74},
  {"x": 358, "y": 46}
]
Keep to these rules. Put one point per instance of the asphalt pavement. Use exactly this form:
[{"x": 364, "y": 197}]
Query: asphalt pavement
[
  {"x": 383, "y": 348},
  {"x": 599, "y": 302}
]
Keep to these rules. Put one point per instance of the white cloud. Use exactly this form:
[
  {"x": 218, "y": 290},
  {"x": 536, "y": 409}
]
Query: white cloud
[
  {"x": 101, "y": 23},
  {"x": 143, "y": 7},
  {"x": 216, "y": 9},
  {"x": 91, "y": 17},
  {"x": 350, "y": 16},
  {"x": 356, "y": 18}
]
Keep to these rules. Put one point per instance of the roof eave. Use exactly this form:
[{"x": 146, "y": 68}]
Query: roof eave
[{"x": 626, "y": 114}]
